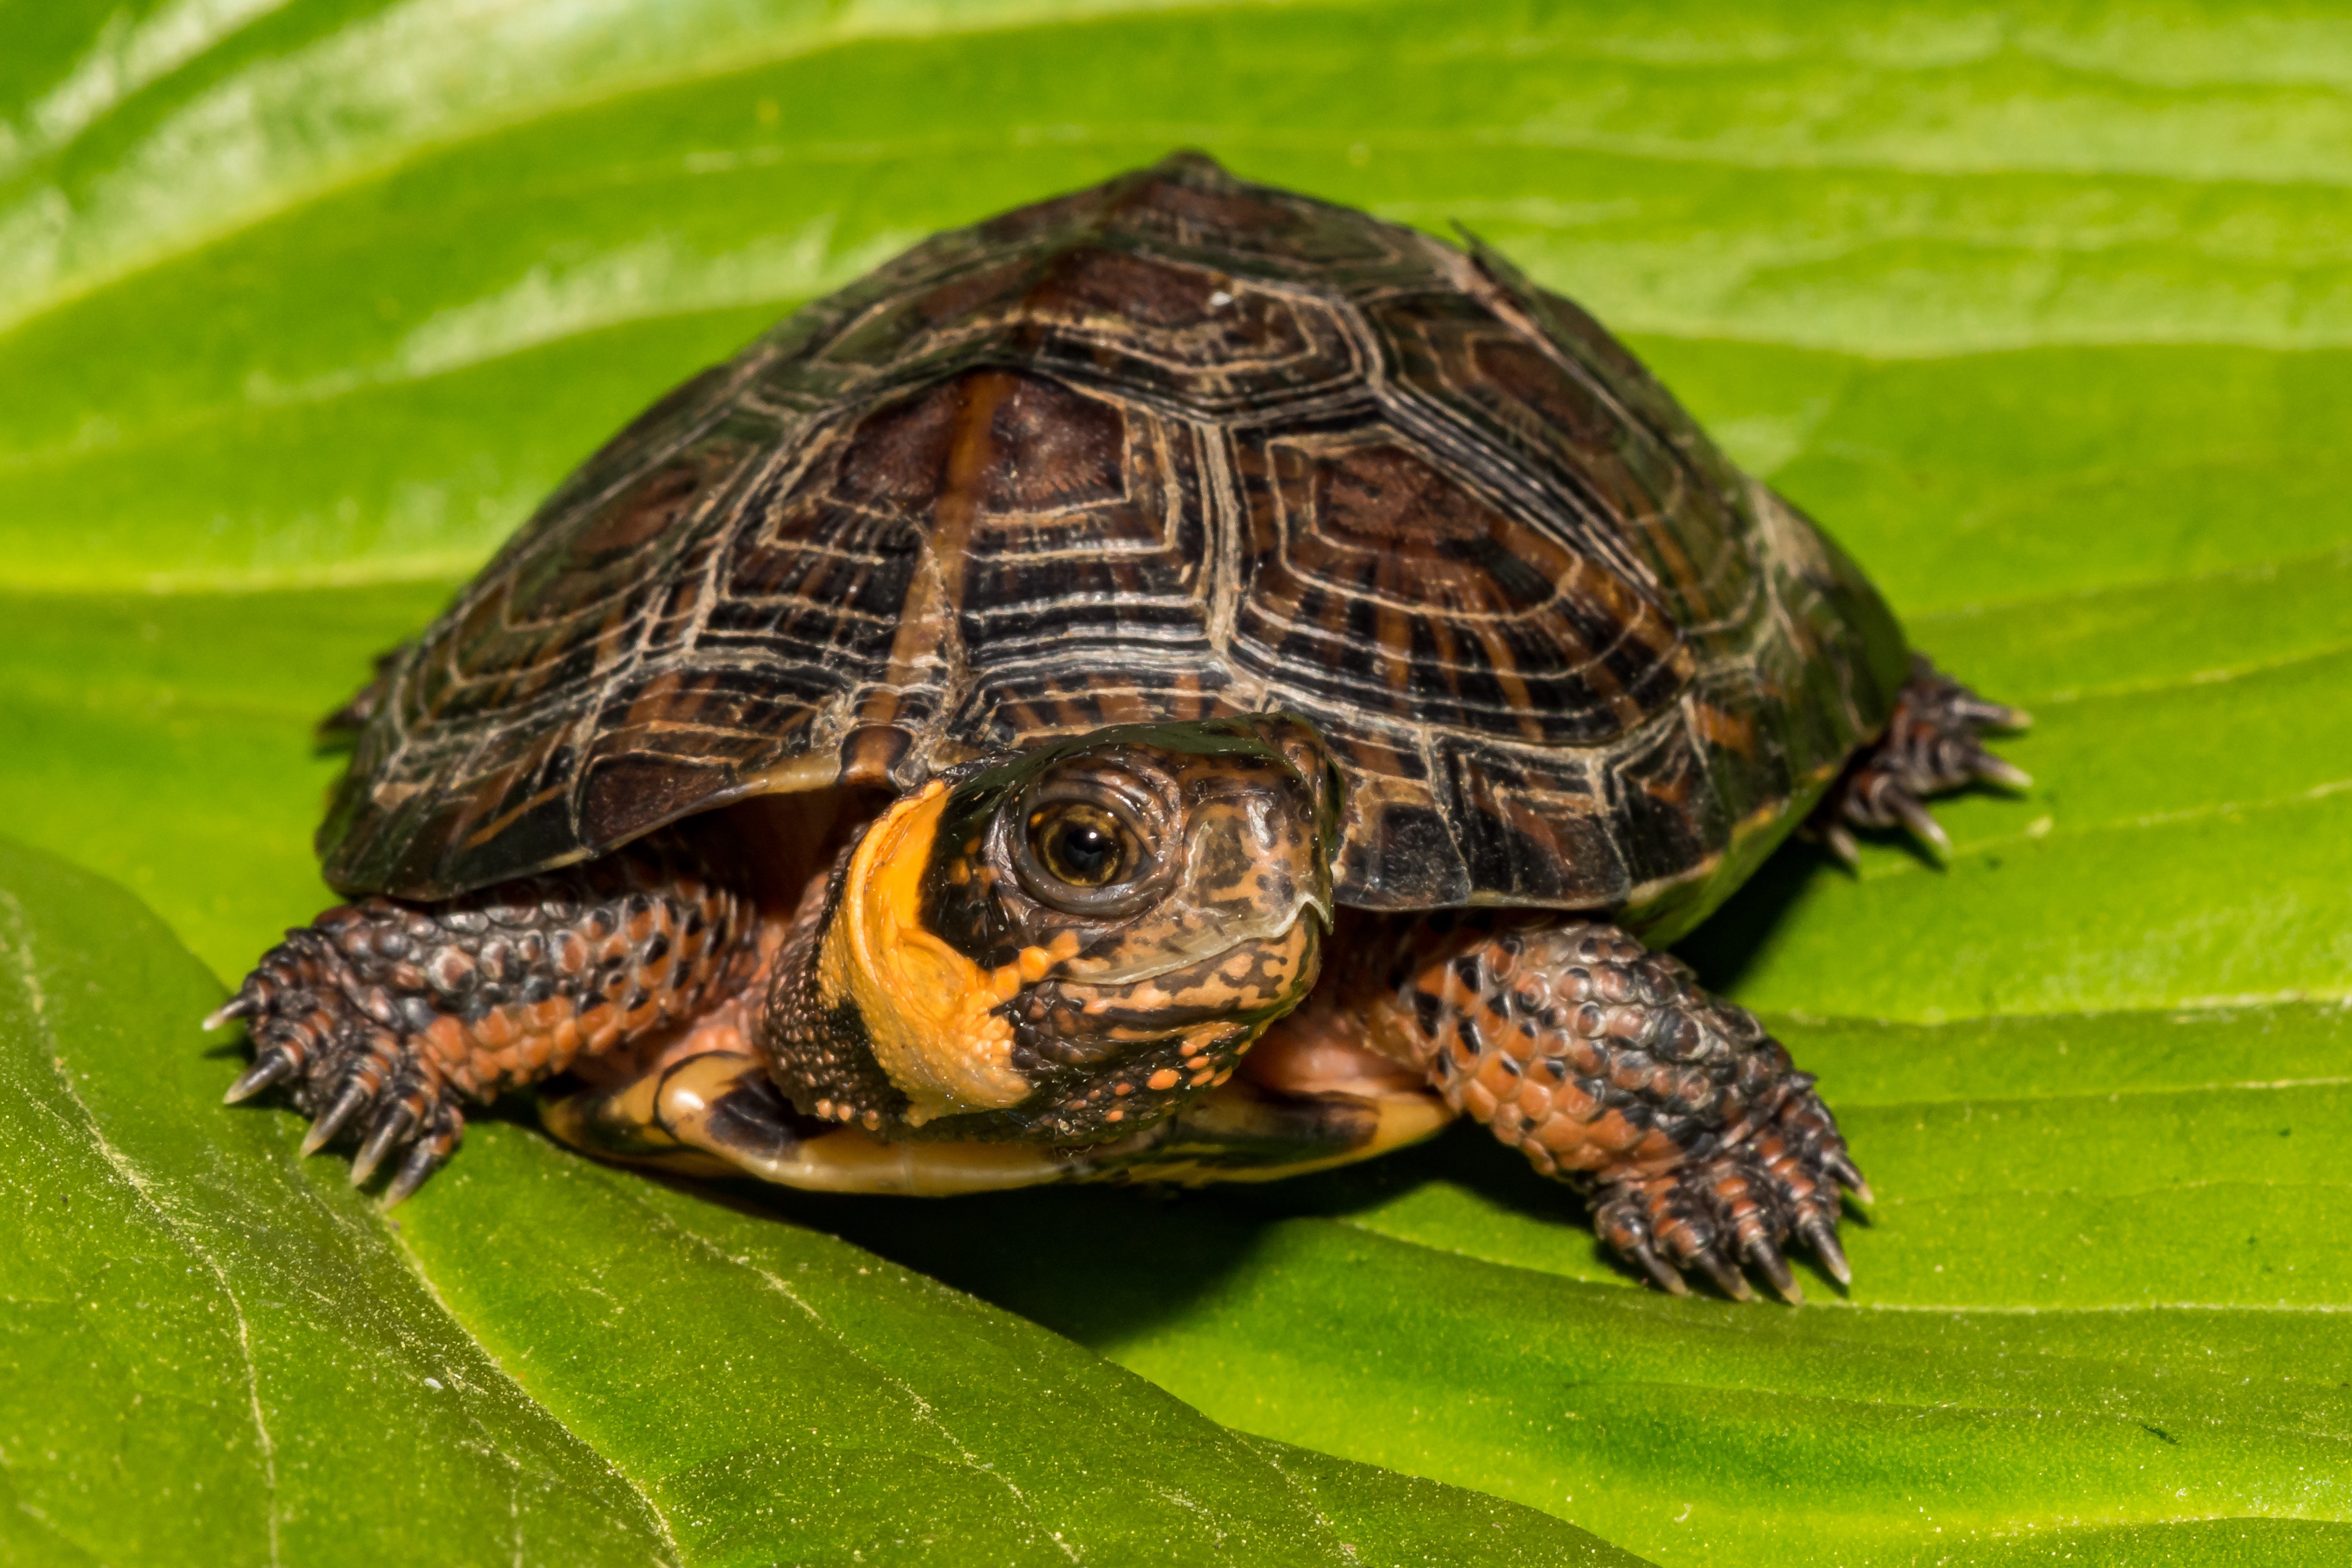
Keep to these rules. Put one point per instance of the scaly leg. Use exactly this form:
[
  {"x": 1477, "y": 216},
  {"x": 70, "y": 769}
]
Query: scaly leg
[
  {"x": 384, "y": 1013},
  {"x": 1934, "y": 742},
  {"x": 1700, "y": 1145}
]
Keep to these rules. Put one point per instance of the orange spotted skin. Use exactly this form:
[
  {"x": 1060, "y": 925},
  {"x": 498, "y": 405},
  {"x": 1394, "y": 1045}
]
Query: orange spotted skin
[
  {"x": 650, "y": 942},
  {"x": 1703, "y": 1148},
  {"x": 1102, "y": 1020},
  {"x": 1161, "y": 1044},
  {"x": 381, "y": 1015}
]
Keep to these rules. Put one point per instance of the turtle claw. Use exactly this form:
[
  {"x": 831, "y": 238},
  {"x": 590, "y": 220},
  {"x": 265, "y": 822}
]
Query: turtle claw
[
  {"x": 1841, "y": 1167},
  {"x": 1725, "y": 1278},
  {"x": 268, "y": 1067},
  {"x": 1934, "y": 742},
  {"x": 1732, "y": 1212},
  {"x": 1999, "y": 771},
  {"x": 1662, "y": 1273},
  {"x": 1767, "y": 1261},
  {"x": 322, "y": 1131},
  {"x": 316, "y": 1039},
  {"x": 1921, "y": 821},
  {"x": 390, "y": 1129},
  {"x": 1818, "y": 1236},
  {"x": 423, "y": 1159},
  {"x": 1990, "y": 715}
]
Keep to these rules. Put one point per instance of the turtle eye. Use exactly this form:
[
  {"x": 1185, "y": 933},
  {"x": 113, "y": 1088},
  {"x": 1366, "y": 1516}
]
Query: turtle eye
[
  {"x": 1081, "y": 844},
  {"x": 1087, "y": 839}
]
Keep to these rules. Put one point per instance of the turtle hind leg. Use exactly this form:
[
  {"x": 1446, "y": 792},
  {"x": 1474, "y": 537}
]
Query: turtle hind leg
[
  {"x": 381, "y": 1018},
  {"x": 1703, "y": 1149},
  {"x": 1934, "y": 742}
]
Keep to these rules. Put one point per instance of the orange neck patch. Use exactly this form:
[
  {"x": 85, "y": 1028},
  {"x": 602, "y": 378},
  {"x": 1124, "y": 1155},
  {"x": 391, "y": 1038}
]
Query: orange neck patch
[{"x": 930, "y": 1011}]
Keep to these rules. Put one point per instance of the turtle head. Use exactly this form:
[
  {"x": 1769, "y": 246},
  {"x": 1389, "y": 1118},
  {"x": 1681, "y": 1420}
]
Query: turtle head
[{"x": 1067, "y": 944}]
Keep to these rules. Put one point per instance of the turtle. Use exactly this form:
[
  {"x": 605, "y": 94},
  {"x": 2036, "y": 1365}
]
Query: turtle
[{"x": 1180, "y": 682}]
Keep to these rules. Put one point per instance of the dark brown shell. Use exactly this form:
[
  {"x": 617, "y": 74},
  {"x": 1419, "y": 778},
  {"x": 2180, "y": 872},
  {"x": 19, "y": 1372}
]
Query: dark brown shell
[{"x": 1172, "y": 447}]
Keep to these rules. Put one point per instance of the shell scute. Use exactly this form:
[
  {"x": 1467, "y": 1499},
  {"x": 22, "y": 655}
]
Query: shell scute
[
  {"x": 1471, "y": 619},
  {"x": 1170, "y": 448},
  {"x": 1591, "y": 450},
  {"x": 1190, "y": 338}
]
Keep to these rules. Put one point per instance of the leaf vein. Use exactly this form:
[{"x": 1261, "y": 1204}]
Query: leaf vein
[
  {"x": 654, "y": 1513},
  {"x": 922, "y": 1406},
  {"x": 28, "y": 973}
]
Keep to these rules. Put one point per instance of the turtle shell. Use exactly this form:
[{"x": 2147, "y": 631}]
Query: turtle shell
[{"x": 1174, "y": 446}]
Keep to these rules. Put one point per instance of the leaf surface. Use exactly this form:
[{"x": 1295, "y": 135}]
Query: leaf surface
[
  {"x": 216, "y": 1352},
  {"x": 2045, "y": 313}
]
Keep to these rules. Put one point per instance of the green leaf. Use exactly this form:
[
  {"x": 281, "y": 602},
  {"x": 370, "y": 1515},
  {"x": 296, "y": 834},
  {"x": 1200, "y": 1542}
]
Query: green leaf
[
  {"x": 214, "y": 1352},
  {"x": 2046, "y": 313}
]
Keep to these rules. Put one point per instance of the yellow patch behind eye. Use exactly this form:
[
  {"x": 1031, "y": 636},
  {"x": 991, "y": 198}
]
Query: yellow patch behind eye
[{"x": 930, "y": 1011}]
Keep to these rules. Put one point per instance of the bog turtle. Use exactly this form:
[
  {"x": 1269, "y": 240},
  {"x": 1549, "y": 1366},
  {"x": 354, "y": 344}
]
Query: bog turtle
[{"x": 1182, "y": 682}]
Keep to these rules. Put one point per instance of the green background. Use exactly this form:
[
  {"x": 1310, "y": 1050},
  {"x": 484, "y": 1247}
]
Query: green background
[{"x": 2045, "y": 312}]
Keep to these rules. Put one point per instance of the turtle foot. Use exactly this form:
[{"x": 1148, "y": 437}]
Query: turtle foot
[
  {"x": 1737, "y": 1210},
  {"x": 1701, "y": 1147},
  {"x": 376, "y": 1017},
  {"x": 1934, "y": 742},
  {"x": 316, "y": 1033}
]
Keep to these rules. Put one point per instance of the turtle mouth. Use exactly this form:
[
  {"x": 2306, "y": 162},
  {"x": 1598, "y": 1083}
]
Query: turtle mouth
[
  {"x": 1107, "y": 1059},
  {"x": 1218, "y": 940}
]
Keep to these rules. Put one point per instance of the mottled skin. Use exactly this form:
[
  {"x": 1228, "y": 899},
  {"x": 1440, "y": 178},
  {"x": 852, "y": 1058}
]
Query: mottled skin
[
  {"x": 928, "y": 752},
  {"x": 383, "y": 1014},
  {"x": 1607, "y": 1065}
]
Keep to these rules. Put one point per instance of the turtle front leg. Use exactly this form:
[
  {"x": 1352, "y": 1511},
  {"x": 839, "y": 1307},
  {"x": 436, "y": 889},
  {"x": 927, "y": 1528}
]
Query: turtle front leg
[
  {"x": 1934, "y": 742},
  {"x": 381, "y": 1018},
  {"x": 1701, "y": 1147}
]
